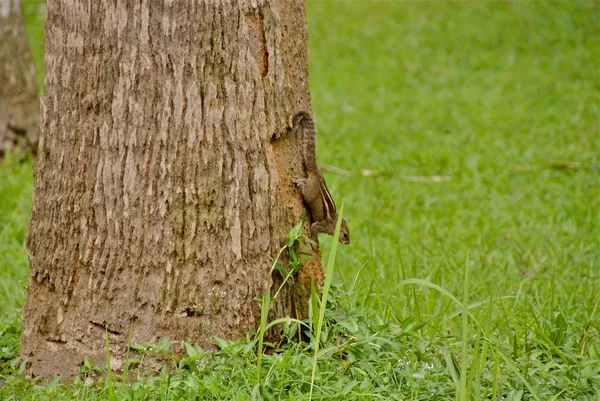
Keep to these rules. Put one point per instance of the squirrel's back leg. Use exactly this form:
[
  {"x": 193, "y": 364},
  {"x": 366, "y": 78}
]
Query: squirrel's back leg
[{"x": 300, "y": 182}]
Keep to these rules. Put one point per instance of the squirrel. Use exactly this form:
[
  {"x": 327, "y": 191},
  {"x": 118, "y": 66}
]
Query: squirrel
[{"x": 314, "y": 189}]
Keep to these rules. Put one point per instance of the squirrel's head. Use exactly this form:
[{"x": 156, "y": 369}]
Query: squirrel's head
[{"x": 344, "y": 233}]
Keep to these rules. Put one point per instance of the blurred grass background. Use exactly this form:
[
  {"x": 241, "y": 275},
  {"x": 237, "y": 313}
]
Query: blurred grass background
[{"x": 482, "y": 119}]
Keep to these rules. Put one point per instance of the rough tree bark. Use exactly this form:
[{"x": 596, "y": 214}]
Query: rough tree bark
[
  {"x": 163, "y": 181},
  {"x": 19, "y": 99}
]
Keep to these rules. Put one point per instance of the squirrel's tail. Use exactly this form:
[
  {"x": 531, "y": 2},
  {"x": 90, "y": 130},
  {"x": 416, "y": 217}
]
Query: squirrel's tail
[{"x": 305, "y": 121}]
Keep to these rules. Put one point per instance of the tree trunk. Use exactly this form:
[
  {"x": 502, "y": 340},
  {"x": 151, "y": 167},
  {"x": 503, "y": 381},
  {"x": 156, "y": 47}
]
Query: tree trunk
[
  {"x": 163, "y": 183},
  {"x": 19, "y": 99}
]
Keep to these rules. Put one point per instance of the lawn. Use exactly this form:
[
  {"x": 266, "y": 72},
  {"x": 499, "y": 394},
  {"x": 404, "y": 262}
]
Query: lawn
[{"x": 463, "y": 139}]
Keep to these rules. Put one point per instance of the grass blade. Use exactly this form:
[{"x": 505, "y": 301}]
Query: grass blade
[
  {"x": 465, "y": 333},
  {"x": 264, "y": 312},
  {"x": 325, "y": 295}
]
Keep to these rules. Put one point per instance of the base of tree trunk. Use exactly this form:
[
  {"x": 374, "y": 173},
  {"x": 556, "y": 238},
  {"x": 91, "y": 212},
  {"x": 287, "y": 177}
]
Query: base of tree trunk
[{"x": 163, "y": 182}]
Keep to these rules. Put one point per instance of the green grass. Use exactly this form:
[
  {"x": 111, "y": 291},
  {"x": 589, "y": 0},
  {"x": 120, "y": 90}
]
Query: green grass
[
  {"x": 15, "y": 206},
  {"x": 474, "y": 270}
]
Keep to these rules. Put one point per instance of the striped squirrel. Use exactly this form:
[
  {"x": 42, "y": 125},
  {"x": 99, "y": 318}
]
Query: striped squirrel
[{"x": 314, "y": 189}]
